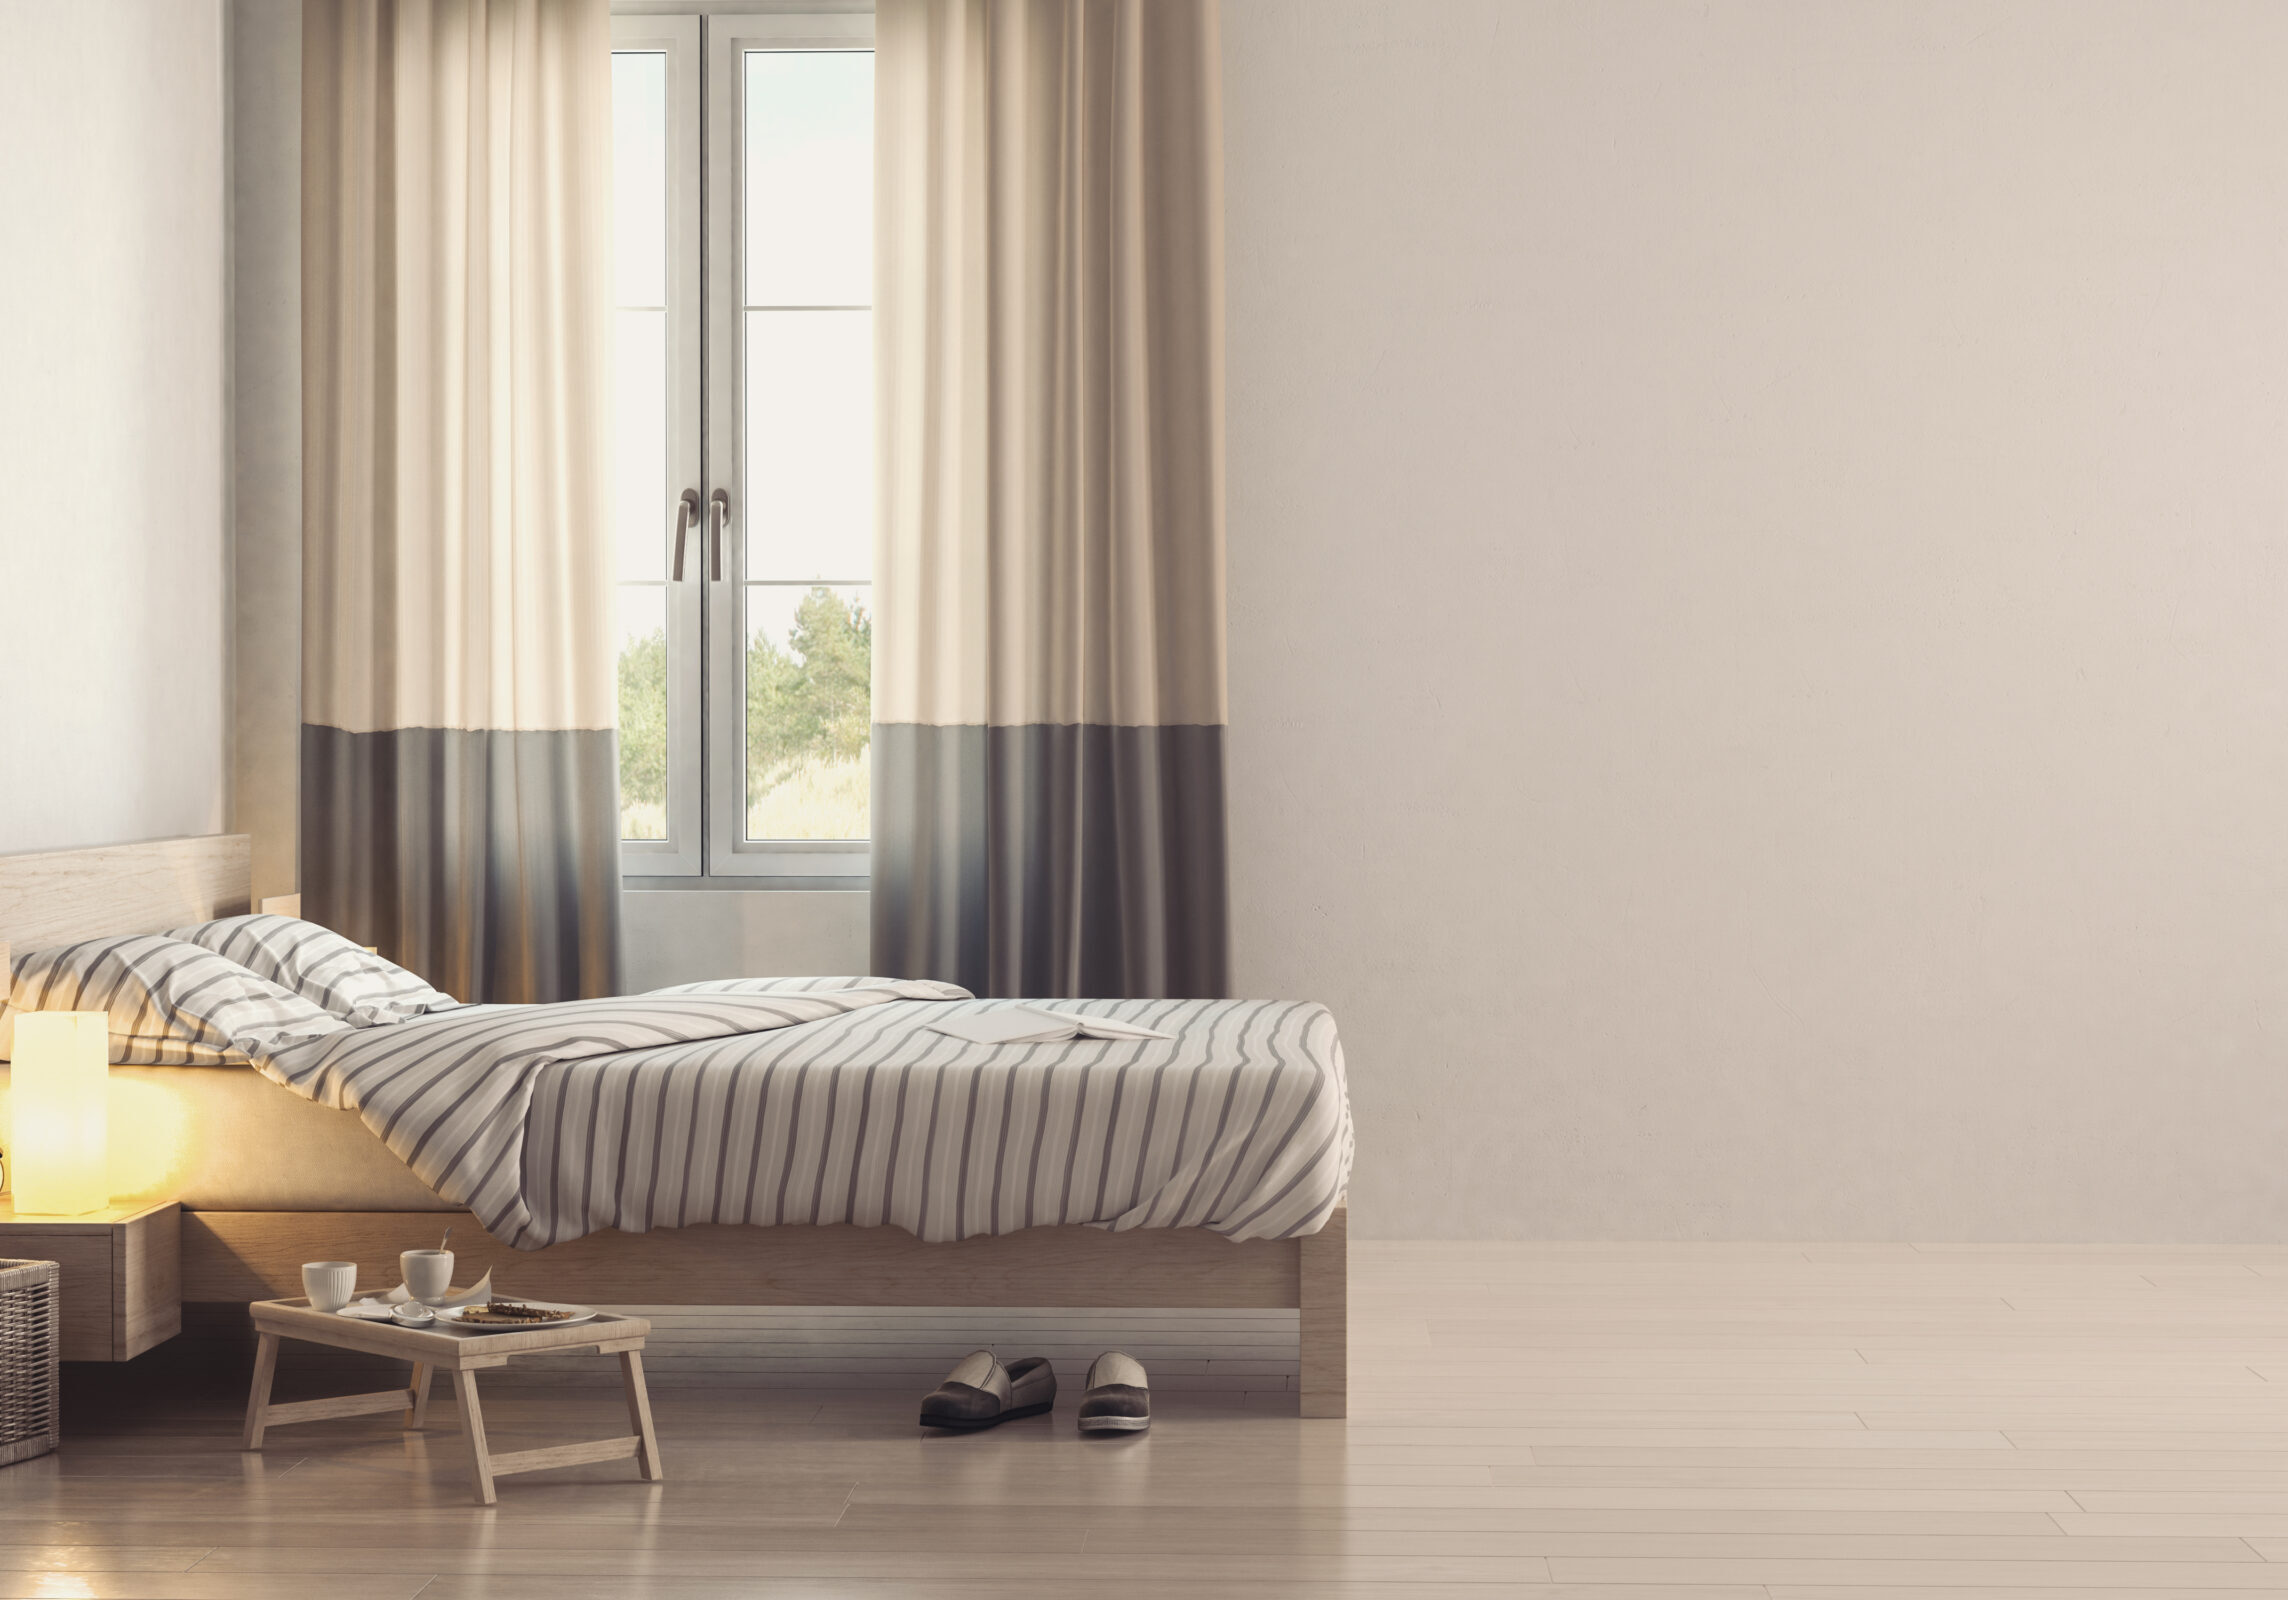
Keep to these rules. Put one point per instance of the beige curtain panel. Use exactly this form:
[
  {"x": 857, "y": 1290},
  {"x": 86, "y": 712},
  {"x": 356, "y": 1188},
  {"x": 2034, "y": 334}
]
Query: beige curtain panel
[
  {"x": 1049, "y": 682},
  {"x": 459, "y": 785}
]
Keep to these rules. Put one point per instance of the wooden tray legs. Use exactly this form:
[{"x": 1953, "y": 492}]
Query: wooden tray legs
[
  {"x": 262, "y": 1415},
  {"x": 484, "y": 1466},
  {"x": 417, "y": 1412}
]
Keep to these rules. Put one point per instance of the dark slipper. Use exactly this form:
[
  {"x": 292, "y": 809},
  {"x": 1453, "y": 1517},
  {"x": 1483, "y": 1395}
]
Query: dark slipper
[{"x": 981, "y": 1392}]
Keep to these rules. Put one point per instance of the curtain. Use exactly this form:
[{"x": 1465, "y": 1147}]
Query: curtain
[
  {"x": 1049, "y": 682},
  {"x": 459, "y": 785}
]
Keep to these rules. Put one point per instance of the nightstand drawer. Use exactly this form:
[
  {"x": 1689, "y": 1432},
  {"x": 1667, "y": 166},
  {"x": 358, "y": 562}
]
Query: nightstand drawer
[{"x": 122, "y": 1275}]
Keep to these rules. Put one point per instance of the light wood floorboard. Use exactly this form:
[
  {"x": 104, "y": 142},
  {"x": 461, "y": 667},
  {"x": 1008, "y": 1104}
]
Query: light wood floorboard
[{"x": 1560, "y": 1422}]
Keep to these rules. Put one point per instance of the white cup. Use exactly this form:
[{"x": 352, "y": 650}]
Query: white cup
[
  {"x": 329, "y": 1284},
  {"x": 428, "y": 1273}
]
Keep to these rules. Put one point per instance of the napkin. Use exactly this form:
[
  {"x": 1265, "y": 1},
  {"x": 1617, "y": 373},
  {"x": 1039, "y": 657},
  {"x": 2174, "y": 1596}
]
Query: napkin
[
  {"x": 378, "y": 1307},
  {"x": 1026, "y": 1025}
]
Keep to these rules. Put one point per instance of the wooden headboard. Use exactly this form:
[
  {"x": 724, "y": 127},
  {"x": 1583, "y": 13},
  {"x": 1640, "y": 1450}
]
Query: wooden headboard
[{"x": 60, "y": 896}]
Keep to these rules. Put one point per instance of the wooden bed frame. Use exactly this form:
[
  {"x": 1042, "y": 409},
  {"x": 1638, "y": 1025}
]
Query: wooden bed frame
[{"x": 62, "y": 896}]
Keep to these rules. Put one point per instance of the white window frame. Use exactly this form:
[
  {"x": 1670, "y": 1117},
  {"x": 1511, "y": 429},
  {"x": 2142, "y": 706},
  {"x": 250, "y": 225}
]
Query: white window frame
[
  {"x": 677, "y": 38},
  {"x": 706, "y": 845},
  {"x": 729, "y": 853}
]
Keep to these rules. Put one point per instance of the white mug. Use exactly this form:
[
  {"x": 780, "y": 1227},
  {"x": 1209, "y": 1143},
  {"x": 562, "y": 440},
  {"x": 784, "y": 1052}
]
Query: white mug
[
  {"x": 428, "y": 1273},
  {"x": 329, "y": 1284}
]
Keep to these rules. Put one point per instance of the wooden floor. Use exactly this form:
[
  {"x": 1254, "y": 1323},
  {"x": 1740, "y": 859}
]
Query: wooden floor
[{"x": 1604, "y": 1422}]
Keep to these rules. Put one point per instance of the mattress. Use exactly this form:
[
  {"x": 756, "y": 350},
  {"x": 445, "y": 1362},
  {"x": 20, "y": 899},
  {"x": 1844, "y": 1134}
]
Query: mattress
[{"x": 228, "y": 1139}]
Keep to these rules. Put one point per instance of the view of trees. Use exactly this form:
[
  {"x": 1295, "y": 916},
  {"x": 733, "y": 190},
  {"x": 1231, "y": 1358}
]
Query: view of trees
[
  {"x": 643, "y": 736},
  {"x": 809, "y": 714},
  {"x": 813, "y": 701}
]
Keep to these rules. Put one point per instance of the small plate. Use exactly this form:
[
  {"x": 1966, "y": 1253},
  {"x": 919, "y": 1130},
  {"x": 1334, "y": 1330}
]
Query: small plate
[{"x": 450, "y": 1317}]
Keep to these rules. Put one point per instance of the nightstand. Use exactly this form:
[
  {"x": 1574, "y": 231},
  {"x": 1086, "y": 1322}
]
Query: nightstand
[{"x": 122, "y": 1274}]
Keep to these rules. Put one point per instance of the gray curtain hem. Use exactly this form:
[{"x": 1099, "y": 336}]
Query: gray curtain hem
[
  {"x": 1052, "y": 859},
  {"x": 486, "y": 861}
]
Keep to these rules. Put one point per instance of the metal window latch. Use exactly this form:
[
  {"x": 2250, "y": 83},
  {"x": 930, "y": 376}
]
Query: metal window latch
[
  {"x": 686, "y": 513},
  {"x": 718, "y": 518}
]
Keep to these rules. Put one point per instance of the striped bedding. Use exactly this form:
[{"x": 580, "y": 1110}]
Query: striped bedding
[
  {"x": 169, "y": 1003},
  {"x": 320, "y": 965},
  {"x": 830, "y": 1100}
]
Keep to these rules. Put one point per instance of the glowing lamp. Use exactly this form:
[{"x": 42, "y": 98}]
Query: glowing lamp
[{"x": 57, "y": 1087}]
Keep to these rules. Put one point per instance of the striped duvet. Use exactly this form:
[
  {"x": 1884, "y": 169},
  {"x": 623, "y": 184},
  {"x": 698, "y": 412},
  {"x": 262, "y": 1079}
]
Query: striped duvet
[{"x": 830, "y": 1100}]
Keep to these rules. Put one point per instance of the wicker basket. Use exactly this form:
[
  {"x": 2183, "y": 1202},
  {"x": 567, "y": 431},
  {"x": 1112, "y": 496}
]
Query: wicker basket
[{"x": 31, "y": 1334}]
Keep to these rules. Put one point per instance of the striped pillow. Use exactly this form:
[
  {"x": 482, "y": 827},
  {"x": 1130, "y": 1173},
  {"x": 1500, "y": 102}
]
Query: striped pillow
[
  {"x": 321, "y": 966},
  {"x": 171, "y": 1004}
]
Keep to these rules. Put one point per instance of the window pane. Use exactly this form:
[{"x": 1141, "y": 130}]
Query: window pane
[
  {"x": 643, "y": 711},
  {"x": 639, "y": 177},
  {"x": 810, "y": 445},
  {"x": 641, "y": 529},
  {"x": 810, "y": 178},
  {"x": 810, "y": 707}
]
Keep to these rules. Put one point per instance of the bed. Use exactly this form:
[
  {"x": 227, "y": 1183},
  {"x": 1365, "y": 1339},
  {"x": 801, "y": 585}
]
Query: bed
[{"x": 269, "y": 1180}]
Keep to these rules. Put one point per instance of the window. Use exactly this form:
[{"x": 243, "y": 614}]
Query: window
[{"x": 744, "y": 443}]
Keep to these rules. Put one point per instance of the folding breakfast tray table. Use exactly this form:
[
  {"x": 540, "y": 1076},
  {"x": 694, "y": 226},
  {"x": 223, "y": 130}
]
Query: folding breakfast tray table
[{"x": 463, "y": 1355}]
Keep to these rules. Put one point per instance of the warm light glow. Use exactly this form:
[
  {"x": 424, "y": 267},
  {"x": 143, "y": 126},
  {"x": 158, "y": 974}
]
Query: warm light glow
[
  {"x": 57, "y": 1082},
  {"x": 151, "y": 1128}
]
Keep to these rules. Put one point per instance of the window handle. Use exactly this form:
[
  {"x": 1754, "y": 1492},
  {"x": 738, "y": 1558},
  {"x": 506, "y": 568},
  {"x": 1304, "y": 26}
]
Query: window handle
[
  {"x": 718, "y": 518},
  {"x": 686, "y": 513}
]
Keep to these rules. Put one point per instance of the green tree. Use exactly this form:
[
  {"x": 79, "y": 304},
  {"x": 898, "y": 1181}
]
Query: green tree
[
  {"x": 643, "y": 731},
  {"x": 814, "y": 700}
]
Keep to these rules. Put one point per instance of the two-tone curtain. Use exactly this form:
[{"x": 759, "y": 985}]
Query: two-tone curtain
[
  {"x": 1049, "y": 683},
  {"x": 459, "y": 788}
]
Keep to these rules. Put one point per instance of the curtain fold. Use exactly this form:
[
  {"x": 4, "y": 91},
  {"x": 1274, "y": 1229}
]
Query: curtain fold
[
  {"x": 459, "y": 782},
  {"x": 1049, "y": 684}
]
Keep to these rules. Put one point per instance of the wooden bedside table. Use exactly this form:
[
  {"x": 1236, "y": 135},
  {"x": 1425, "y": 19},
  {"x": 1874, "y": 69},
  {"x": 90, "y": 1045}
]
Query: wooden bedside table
[{"x": 122, "y": 1274}]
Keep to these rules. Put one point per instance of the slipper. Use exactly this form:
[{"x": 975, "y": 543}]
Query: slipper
[
  {"x": 1119, "y": 1398},
  {"x": 981, "y": 1392}
]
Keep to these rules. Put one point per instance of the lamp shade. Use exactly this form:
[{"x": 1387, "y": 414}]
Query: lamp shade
[{"x": 57, "y": 1084}]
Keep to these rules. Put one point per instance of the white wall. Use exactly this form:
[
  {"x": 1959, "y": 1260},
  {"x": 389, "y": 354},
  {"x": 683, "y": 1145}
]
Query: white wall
[
  {"x": 112, "y": 642},
  {"x": 1759, "y": 607}
]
